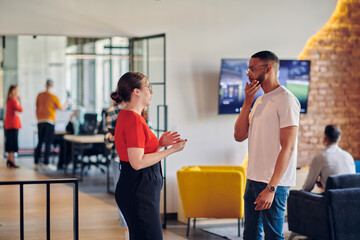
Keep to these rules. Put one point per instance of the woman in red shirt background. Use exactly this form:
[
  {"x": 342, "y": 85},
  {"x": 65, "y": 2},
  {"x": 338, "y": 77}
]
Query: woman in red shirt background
[
  {"x": 12, "y": 124},
  {"x": 138, "y": 189}
]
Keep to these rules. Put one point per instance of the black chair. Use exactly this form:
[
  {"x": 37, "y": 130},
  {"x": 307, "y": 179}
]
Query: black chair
[
  {"x": 1, "y": 114},
  {"x": 102, "y": 128},
  {"x": 334, "y": 215},
  {"x": 91, "y": 150},
  {"x": 90, "y": 124},
  {"x": 98, "y": 152}
]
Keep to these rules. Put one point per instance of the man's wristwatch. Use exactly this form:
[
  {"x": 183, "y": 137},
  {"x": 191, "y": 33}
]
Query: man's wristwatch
[{"x": 271, "y": 188}]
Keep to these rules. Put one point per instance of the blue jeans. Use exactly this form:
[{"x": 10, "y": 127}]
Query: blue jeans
[
  {"x": 271, "y": 220},
  {"x": 116, "y": 169}
]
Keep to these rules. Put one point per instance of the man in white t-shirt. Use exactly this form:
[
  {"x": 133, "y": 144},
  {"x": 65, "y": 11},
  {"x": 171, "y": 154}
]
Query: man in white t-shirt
[
  {"x": 271, "y": 128},
  {"x": 332, "y": 161}
]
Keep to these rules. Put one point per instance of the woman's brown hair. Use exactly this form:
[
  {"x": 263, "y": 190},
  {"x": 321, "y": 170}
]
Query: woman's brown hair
[
  {"x": 126, "y": 85},
  {"x": 9, "y": 93}
]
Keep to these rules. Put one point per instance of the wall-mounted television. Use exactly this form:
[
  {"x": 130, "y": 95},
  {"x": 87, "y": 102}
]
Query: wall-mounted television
[{"x": 293, "y": 74}]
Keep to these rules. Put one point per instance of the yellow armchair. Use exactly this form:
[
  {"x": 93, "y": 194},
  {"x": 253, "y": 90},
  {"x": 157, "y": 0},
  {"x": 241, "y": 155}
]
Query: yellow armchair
[{"x": 212, "y": 192}]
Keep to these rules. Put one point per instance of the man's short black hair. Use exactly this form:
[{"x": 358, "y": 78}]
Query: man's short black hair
[
  {"x": 49, "y": 82},
  {"x": 332, "y": 133},
  {"x": 266, "y": 55}
]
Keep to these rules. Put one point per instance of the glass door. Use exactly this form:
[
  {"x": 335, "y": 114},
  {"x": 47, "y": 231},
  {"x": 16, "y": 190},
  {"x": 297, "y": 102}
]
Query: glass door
[{"x": 148, "y": 57}]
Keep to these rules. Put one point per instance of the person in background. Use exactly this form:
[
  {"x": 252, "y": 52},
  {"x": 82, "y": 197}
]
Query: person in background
[
  {"x": 46, "y": 105},
  {"x": 138, "y": 189},
  {"x": 332, "y": 161},
  {"x": 12, "y": 124},
  {"x": 110, "y": 122},
  {"x": 271, "y": 127},
  {"x": 145, "y": 115},
  {"x": 72, "y": 127}
]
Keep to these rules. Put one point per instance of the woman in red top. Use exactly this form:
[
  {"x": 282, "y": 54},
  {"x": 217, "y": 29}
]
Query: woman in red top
[
  {"x": 138, "y": 189},
  {"x": 12, "y": 124}
]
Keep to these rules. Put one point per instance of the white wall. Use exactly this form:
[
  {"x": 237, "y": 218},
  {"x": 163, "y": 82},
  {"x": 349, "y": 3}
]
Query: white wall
[{"x": 198, "y": 34}]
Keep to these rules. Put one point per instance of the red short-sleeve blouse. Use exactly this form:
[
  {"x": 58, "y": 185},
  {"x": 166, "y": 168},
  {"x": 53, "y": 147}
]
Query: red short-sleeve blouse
[
  {"x": 132, "y": 131},
  {"x": 12, "y": 119}
]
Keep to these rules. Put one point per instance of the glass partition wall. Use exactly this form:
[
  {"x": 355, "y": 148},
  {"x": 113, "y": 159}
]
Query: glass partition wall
[
  {"x": 84, "y": 71},
  {"x": 93, "y": 69}
]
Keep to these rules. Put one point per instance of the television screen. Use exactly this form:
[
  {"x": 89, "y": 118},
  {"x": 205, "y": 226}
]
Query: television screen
[{"x": 293, "y": 74}]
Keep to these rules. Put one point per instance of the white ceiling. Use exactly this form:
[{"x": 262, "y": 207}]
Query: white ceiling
[{"x": 139, "y": 17}]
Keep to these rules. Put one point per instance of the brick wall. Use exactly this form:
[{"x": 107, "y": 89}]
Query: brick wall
[{"x": 334, "y": 95}]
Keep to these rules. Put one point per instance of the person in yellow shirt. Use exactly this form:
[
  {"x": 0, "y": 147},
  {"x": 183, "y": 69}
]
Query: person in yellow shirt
[{"x": 46, "y": 105}]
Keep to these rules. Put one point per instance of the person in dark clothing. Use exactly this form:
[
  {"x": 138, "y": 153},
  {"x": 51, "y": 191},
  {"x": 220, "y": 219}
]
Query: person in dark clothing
[{"x": 46, "y": 105}]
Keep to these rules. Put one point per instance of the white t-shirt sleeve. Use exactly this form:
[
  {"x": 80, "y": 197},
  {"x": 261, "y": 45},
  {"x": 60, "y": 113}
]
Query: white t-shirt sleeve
[{"x": 289, "y": 111}]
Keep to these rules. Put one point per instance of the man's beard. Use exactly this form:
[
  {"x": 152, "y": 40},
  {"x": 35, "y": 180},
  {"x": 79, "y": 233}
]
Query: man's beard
[{"x": 261, "y": 78}]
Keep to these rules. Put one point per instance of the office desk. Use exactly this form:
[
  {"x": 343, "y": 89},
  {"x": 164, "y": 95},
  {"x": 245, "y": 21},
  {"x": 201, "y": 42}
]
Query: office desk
[
  {"x": 97, "y": 138},
  {"x": 77, "y": 145}
]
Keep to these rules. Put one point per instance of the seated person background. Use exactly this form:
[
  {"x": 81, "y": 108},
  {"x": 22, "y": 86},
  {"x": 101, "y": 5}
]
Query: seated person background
[
  {"x": 72, "y": 127},
  {"x": 332, "y": 161}
]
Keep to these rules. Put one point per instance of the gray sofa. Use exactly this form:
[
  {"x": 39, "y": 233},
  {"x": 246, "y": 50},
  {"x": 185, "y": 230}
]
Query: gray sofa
[{"x": 333, "y": 215}]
